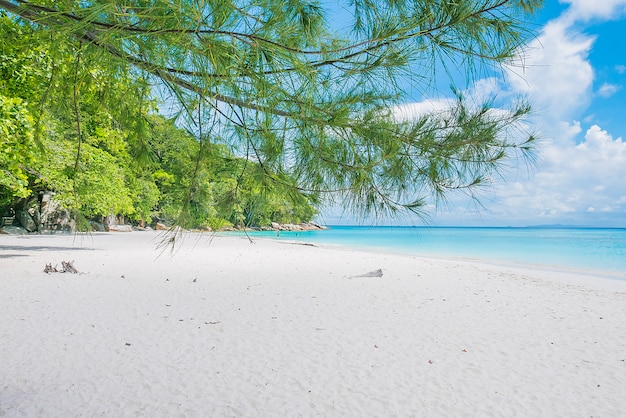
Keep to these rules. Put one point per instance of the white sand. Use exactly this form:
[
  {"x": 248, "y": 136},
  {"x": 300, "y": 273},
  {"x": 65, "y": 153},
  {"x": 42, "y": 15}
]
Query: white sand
[{"x": 226, "y": 328}]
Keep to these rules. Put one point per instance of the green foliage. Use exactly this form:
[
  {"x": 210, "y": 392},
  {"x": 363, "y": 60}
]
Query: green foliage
[
  {"x": 98, "y": 188},
  {"x": 216, "y": 188},
  {"x": 282, "y": 109},
  {"x": 15, "y": 144}
]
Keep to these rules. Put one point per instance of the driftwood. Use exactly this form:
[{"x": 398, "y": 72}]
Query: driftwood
[
  {"x": 375, "y": 273},
  {"x": 66, "y": 267}
]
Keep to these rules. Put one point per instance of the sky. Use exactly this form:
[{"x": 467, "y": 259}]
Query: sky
[{"x": 574, "y": 75}]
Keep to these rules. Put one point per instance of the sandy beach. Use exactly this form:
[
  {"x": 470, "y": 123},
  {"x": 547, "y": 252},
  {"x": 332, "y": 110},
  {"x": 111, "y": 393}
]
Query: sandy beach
[{"x": 226, "y": 328}]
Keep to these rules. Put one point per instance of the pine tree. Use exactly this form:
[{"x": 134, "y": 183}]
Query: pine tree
[{"x": 280, "y": 86}]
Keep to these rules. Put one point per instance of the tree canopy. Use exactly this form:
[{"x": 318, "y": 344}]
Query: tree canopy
[{"x": 302, "y": 107}]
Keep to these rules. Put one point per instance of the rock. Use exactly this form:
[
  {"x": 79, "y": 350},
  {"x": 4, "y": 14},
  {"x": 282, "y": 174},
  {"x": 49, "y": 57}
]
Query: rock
[
  {"x": 304, "y": 226},
  {"x": 13, "y": 230},
  {"x": 161, "y": 227},
  {"x": 53, "y": 216},
  {"x": 26, "y": 220},
  {"x": 312, "y": 226},
  {"x": 120, "y": 228},
  {"x": 97, "y": 226}
]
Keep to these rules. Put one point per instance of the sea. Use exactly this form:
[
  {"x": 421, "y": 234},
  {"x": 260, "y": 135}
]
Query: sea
[{"x": 587, "y": 250}]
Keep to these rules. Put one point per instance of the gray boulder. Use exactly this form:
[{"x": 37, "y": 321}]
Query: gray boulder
[
  {"x": 26, "y": 220},
  {"x": 13, "y": 230}
]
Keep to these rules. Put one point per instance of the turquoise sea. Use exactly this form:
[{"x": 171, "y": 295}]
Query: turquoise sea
[{"x": 581, "y": 249}]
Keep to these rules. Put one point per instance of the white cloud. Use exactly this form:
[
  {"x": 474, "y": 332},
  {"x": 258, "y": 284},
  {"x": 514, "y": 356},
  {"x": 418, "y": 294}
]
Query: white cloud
[
  {"x": 579, "y": 179},
  {"x": 600, "y": 141},
  {"x": 481, "y": 92},
  {"x": 485, "y": 89},
  {"x": 410, "y": 111},
  {"x": 584, "y": 10},
  {"x": 572, "y": 181},
  {"x": 580, "y": 176},
  {"x": 607, "y": 90},
  {"x": 557, "y": 75}
]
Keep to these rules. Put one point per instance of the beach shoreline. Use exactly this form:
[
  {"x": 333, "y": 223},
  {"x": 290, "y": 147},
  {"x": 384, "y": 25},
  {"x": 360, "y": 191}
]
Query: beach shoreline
[
  {"x": 593, "y": 251},
  {"x": 588, "y": 277},
  {"x": 225, "y": 327}
]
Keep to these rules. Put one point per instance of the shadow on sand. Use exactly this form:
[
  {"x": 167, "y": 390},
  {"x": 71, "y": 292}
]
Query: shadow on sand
[{"x": 25, "y": 250}]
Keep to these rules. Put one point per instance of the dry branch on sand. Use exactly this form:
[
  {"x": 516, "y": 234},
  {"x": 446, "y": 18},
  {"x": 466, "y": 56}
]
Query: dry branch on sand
[{"x": 66, "y": 267}]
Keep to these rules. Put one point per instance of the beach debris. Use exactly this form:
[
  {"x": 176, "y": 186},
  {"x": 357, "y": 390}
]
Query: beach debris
[
  {"x": 66, "y": 267},
  {"x": 374, "y": 273}
]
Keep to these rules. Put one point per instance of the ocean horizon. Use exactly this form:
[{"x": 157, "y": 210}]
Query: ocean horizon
[{"x": 583, "y": 249}]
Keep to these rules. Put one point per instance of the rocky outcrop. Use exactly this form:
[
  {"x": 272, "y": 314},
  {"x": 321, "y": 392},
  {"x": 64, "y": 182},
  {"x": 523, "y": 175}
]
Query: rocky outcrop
[
  {"x": 26, "y": 220},
  {"x": 305, "y": 226},
  {"x": 97, "y": 226},
  {"x": 53, "y": 216},
  {"x": 13, "y": 230},
  {"x": 161, "y": 227},
  {"x": 117, "y": 224},
  {"x": 43, "y": 214},
  {"x": 119, "y": 228}
]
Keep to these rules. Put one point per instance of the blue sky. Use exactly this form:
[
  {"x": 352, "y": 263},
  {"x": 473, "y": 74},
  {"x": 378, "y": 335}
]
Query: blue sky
[{"x": 575, "y": 76}]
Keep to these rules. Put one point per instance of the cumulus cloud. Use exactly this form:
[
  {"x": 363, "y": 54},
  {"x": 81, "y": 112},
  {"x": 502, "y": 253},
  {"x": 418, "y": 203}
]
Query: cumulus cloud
[
  {"x": 573, "y": 184},
  {"x": 585, "y": 10},
  {"x": 579, "y": 182},
  {"x": 557, "y": 75},
  {"x": 601, "y": 145}
]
